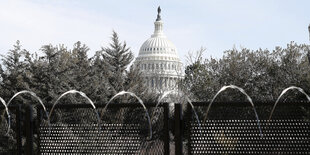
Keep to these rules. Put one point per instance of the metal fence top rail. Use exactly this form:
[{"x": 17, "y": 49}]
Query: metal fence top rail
[
  {"x": 12, "y": 106},
  {"x": 256, "y": 103},
  {"x": 102, "y": 105},
  {"x": 136, "y": 104}
]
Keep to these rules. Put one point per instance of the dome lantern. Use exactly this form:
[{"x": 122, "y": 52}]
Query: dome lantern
[{"x": 158, "y": 25}]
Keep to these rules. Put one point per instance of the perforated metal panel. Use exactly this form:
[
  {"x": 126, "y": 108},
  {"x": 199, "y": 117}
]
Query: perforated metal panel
[
  {"x": 232, "y": 128},
  {"x": 124, "y": 130},
  {"x": 243, "y": 137},
  {"x": 83, "y": 138}
]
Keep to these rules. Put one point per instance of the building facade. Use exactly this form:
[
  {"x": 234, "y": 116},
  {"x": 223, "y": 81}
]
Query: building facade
[{"x": 159, "y": 61}]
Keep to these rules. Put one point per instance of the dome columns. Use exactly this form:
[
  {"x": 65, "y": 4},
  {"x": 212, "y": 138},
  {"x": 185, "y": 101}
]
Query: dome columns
[
  {"x": 158, "y": 29},
  {"x": 162, "y": 83}
]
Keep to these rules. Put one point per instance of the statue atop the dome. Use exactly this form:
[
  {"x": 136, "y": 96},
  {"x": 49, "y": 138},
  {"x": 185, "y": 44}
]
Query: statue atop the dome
[
  {"x": 158, "y": 14},
  {"x": 308, "y": 54},
  {"x": 309, "y": 33},
  {"x": 309, "y": 29}
]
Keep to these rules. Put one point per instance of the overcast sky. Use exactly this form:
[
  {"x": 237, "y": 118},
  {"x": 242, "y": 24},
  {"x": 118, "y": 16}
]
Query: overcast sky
[{"x": 217, "y": 25}]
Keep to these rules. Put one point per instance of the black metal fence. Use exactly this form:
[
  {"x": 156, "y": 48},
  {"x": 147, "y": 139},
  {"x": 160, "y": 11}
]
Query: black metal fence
[
  {"x": 124, "y": 130},
  {"x": 231, "y": 128}
]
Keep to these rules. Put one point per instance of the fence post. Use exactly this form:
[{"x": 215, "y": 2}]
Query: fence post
[
  {"x": 189, "y": 128},
  {"x": 29, "y": 130},
  {"x": 178, "y": 129},
  {"x": 166, "y": 130},
  {"x": 18, "y": 129},
  {"x": 38, "y": 126}
]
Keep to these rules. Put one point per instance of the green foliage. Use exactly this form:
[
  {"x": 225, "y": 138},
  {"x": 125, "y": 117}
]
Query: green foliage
[
  {"x": 117, "y": 57},
  {"x": 15, "y": 76},
  {"x": 262, "y": 73},
  {"x": 60, "y": 69}
]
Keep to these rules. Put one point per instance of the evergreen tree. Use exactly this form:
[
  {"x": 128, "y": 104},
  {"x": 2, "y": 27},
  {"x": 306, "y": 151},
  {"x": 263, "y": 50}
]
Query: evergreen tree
[
  {"x": 100, "y": 87},
  {"x": 15, "y": 76},
  {"x": 117, "y": 57},
  {"x": 51, "y": 72}
]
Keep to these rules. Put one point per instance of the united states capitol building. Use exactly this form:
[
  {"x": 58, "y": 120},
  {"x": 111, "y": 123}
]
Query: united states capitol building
[{"x": 159, "y": 61}]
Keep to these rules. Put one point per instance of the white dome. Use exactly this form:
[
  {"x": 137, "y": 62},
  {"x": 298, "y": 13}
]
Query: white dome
[
  {"x": 158, "y": 46},
  {"x": 159, "y": 61}
]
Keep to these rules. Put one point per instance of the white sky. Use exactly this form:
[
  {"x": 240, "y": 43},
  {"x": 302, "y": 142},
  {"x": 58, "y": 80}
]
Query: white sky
[{"x": 217, "y": 25}]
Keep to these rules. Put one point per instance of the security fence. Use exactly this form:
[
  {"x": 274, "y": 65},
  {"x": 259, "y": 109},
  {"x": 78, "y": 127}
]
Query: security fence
[
  {"x": 231, "y": 128},
  {"x": 123, "y": 129}
]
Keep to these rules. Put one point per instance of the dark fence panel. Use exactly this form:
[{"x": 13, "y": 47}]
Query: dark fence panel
[
  {"x": 124, "y": 130},
  {"x": 234, "y": 129}
]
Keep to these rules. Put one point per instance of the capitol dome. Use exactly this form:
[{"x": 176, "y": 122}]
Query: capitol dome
[{"x": 159, "y": 61}]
